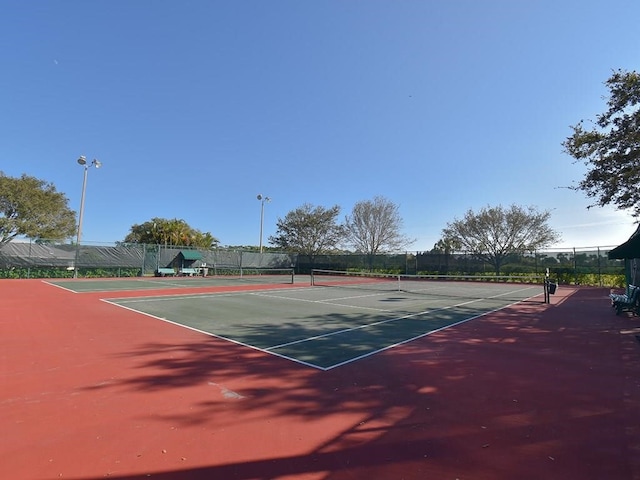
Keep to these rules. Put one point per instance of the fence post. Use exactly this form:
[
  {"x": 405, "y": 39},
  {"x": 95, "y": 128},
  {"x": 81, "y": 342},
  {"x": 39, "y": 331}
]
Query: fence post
[{"x": 144, "y": 254}]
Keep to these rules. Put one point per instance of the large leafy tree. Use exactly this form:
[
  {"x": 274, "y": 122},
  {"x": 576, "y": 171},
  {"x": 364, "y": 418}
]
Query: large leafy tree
[
  {"x": 611, "y": 147},
  {"x": 446, "y": 246},
  {"x": 162, "y": 231},
  {"x": 374, "y": 226},
  {"x": 494, "y": 233},
  {"x": 33, "y": 208},
  {"x": 309, "y": 230}
]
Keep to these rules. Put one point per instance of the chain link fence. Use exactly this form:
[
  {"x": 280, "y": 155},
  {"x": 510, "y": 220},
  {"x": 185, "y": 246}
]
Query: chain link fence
[
  {"x": 51, "y": 260},
  {"x": 590, "y": 266},
  {"x": 585, "y": 266}
]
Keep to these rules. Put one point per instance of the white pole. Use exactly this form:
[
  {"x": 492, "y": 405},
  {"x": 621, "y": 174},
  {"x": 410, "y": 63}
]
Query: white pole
[
  {"x": 79, "y": 235},
  {"x": 262, "y": 200},
  {"x": 261, "y": 222},
  {"x": 95, "y": 163}
]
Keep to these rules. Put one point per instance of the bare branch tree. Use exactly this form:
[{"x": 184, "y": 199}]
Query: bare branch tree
[{"x": 374, "y": 226}]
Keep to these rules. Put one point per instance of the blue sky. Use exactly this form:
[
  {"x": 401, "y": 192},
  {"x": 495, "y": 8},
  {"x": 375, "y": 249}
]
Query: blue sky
[{"x": 195, "y": 107}]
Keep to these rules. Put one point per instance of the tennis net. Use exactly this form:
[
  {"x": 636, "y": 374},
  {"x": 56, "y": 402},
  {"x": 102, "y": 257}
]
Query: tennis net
[
  {"x": 261, "y": 275},
  {"x": 503, "y": 287}
]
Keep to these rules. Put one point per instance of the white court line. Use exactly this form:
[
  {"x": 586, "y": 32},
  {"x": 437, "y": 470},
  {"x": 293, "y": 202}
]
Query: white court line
[
  {"x": 178, "y": 296},
  {"x": 270, "y": 350},
  {"x": 408, "y": 340},
  {"x": 418, "y": 301},
  {"x": 60, "y": 286},
  {"x": 331, "y": 301},
  {"x": 106, "y": 281},
  {"x": 380, "y": 322},
  {"x": 253, "y": 347}
]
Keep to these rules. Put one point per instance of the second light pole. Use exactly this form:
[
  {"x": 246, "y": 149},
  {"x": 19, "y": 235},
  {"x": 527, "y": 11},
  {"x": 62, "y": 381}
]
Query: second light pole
[
  {"x": 262, "y": 199},
  {"x": 94, "y": 163}
]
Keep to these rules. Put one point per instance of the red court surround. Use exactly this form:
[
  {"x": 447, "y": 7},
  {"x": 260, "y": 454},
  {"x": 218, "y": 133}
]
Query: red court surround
[{"x": 92, "y": 391}]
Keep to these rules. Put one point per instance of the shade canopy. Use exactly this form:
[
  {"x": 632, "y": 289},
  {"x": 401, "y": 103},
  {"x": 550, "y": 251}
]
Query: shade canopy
[
  {"x": 191, "y": 254},
  {"x": 629, "y": 249}
]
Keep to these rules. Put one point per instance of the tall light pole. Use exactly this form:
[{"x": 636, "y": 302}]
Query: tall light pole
[
  {"x": 262, "y": 200},
  {"x": 94, "y": 163}
]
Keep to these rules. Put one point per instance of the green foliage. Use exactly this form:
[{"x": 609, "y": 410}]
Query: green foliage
[
  {"x": 495, "y": 233},
  {"x": 33, "y": 208},
  {"x": 57, "y": 272},
  {"x": 447, "y": 245},
  {"x": 611, "y": 147},
  {"x": 161, "y": 231},
  {"x": 569, "y": 276},
  {"x": 309, "y": 230}
]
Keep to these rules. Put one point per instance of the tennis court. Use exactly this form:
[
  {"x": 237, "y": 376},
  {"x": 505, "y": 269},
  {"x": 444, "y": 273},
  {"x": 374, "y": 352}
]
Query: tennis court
[
  {"x": 129, "y": 388},
  {"x": 249, "y": 277},
  {"x": 341, "y": 319}
]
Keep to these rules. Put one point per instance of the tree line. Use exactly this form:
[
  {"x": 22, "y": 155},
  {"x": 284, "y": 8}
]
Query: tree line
[{"x": 610, "y": 149}]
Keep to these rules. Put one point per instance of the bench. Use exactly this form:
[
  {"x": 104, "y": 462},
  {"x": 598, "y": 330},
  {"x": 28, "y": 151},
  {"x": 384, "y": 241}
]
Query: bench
[
  {"x": 163, "y": 272},
  {"x": 627, "y": 302},
  {"x": 189, "y": 271}
]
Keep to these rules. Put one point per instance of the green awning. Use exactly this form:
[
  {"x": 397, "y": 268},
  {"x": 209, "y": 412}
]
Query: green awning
[
  {"x": 629, "y": 249},
  {"x": 191, "y": 254}
]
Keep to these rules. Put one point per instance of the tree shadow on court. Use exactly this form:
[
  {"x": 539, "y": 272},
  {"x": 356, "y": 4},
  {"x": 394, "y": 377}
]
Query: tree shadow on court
[
  {"x": 508, "y": 395},
  {"x": 252, "y": 379}
]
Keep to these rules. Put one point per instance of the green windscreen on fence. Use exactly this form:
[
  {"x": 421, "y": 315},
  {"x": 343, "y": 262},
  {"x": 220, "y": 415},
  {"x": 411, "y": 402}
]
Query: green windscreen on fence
[{"x": 51, "y": 259}]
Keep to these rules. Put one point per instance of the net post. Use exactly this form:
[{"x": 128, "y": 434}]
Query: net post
[{"x": 546, "y": 287}]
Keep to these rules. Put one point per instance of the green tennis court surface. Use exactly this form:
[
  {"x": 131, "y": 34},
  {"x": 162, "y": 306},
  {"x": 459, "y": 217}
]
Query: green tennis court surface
[
  {"x": 156, "y": 283},
  {"x": 326, "y": 327}
]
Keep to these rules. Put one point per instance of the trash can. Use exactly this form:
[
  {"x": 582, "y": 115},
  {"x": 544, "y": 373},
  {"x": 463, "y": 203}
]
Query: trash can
[{"x": 552, "y": 288}]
